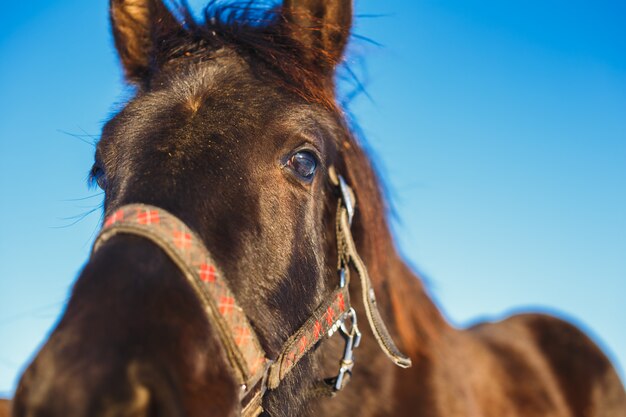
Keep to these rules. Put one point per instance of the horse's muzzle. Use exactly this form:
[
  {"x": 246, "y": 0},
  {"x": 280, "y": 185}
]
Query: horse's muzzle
[
  {"x": 141, "y": 392},
  {"x": 133, "y": 342}
]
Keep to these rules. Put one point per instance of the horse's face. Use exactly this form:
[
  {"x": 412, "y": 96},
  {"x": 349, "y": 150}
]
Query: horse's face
[
  {"x": 213, "y": 137},
  {"x": 242, "y": 163}
]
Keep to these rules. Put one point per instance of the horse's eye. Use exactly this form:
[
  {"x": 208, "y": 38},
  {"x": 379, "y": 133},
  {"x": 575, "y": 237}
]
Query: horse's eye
[
  {"x": 97, "y": 176},
  {"x": 304, "y": 164}
]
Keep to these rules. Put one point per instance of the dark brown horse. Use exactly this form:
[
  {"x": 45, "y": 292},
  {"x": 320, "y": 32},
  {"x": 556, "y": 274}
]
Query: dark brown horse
[{"x": 235, "y": 130}]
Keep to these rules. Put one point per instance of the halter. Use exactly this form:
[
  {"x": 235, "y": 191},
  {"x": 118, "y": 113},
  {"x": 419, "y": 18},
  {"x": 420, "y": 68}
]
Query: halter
[{"x": 253, "y": 370}]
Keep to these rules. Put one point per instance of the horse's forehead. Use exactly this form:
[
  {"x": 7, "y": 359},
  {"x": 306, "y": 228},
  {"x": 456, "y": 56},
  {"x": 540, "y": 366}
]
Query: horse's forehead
[
  {"x": 221, "y": 99},
  {"x": 218, "y": 78},
  {"x": 229, "y": 82},
  {"x": 211, "y": 96}
]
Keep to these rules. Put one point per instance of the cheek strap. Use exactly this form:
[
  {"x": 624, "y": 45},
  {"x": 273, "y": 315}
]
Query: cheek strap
[{"x": 348, "y": 256}]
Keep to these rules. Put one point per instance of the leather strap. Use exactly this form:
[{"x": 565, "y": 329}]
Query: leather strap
[
  {"x": 254, "y": 406},
  {"x": 322, "y": 324},
  {"x": 349, "y": 256}
]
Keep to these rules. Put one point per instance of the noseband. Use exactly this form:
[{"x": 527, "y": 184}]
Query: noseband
[{"x": 252, "y": 369}]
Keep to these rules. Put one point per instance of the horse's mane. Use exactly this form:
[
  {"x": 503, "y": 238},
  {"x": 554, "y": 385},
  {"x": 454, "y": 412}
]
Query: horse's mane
[{"x": 262, "y": 34}]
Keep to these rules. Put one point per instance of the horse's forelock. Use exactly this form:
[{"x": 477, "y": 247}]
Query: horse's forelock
[{"x": 263, "y": 37}]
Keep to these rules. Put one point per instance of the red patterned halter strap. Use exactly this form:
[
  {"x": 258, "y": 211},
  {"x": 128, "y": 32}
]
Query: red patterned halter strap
[
  {"x": 252, "y": 369},
  {"x": 237, "y": 335}
]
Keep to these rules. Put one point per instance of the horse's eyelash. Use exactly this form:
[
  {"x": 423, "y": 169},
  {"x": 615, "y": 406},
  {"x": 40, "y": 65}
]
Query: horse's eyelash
[{"x": 91, "y": 179}]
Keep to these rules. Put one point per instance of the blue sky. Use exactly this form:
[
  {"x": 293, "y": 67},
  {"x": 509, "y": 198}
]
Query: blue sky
[{"x": 499, "y": 128}]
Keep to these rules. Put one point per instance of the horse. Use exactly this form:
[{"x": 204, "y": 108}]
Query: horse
[{"x": 246, "y": 232}]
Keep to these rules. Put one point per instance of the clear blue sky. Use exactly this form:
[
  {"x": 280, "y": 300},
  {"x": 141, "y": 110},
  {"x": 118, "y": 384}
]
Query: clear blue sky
[{"x": 499, "y": 126}]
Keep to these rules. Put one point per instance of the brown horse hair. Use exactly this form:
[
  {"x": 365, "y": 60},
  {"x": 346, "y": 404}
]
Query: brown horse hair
[{"x": 263, "y": 35}]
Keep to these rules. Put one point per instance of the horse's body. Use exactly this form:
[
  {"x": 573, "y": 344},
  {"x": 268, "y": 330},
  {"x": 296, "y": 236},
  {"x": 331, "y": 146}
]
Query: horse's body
[{"x": 234, "y": 129}]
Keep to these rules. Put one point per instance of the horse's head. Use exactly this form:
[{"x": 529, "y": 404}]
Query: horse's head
[{"x": 233, "y": 129}]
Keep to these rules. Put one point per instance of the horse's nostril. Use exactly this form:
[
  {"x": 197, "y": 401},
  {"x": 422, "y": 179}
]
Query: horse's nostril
[
  {"x": 141, "y": 402},
  {"x": 152, "y": 395}
]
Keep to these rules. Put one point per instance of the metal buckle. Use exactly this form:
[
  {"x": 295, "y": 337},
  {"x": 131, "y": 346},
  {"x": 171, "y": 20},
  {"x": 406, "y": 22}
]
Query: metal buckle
[
  {"x": 352, "y": 337},
  {"x": 343, "y": 277},
  {"x": 346, "y": 197}
]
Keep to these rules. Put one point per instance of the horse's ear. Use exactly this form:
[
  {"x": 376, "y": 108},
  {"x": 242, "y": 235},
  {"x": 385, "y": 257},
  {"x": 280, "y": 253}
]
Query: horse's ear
[
  {"x": 321, "y": 27},
  {"x": 138, "y": 27}
]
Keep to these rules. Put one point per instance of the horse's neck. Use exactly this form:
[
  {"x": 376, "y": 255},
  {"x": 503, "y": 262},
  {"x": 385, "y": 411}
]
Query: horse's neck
[
  {"x": 415, "y": 319},
  {"x": 401, "y": 295}
]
